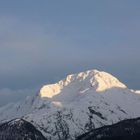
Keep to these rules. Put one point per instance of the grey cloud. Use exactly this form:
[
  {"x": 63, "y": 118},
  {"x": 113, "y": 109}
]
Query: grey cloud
[{"x": 33, "y": 55}]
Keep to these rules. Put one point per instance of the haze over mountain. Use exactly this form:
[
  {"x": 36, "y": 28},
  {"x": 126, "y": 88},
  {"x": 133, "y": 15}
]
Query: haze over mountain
[{"x": 75, "y": 105}]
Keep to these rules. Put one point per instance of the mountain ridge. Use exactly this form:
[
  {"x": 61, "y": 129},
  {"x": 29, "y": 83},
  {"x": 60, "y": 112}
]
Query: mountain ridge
[
  {"x": 19, "y": 129},
  {"x": 99, "y": 81},
  {"x": 123, "y": 130}
]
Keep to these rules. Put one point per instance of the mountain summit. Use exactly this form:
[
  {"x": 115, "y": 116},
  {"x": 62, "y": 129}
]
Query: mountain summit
[
  {"x": 97, "y": 80},
  {"x": 75, "y": 105}
]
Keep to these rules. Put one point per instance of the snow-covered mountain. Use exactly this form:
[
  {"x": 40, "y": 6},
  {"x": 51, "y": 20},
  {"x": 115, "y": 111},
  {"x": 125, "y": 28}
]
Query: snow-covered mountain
[{"x": 76, "y": 105}]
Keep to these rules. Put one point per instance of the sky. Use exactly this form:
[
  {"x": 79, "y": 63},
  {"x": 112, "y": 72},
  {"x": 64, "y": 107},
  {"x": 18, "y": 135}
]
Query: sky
[{"x": 41, "y": 41}]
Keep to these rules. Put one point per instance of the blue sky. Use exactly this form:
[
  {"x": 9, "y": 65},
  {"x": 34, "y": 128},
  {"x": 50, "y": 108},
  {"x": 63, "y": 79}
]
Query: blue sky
[{"x": 43, "y": 41}]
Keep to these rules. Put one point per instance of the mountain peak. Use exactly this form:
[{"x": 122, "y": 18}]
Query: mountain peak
[
  {"x": 103, "y": 81},
  {"x": 97, "y": 80}
]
